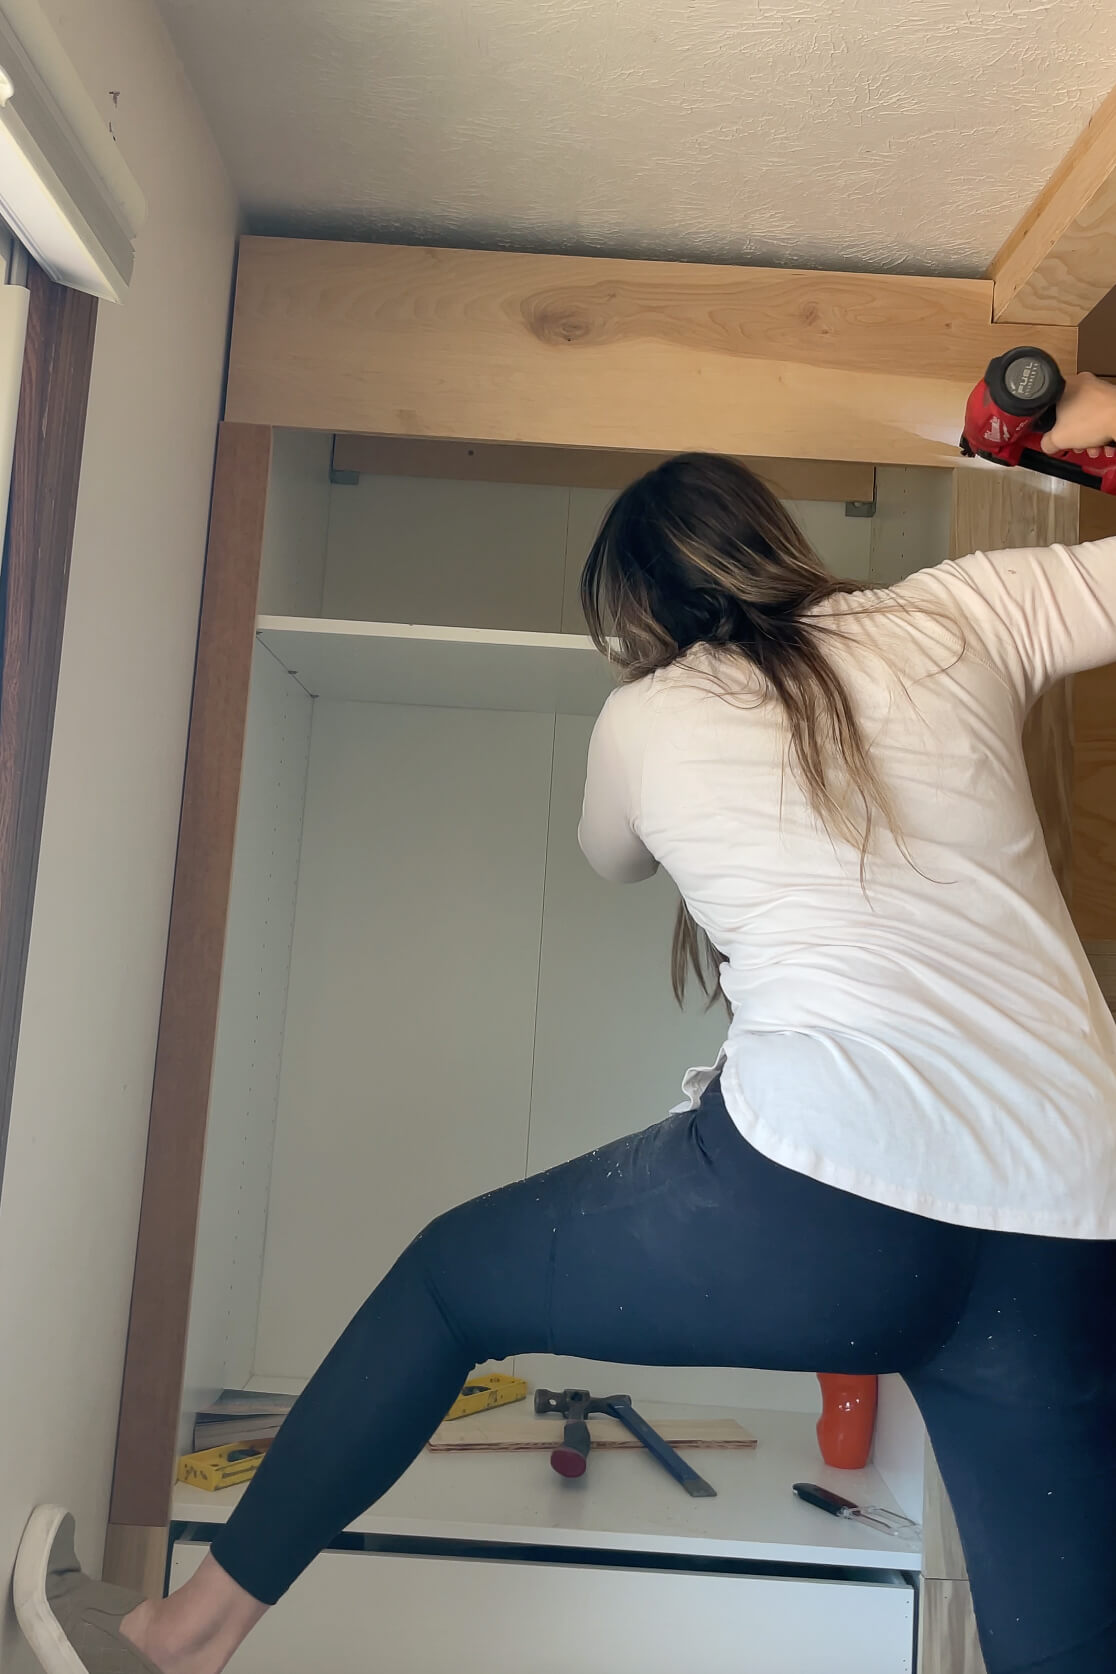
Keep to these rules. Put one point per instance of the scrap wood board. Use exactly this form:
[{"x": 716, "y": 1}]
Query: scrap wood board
[{"x": 502, "y": 1432}]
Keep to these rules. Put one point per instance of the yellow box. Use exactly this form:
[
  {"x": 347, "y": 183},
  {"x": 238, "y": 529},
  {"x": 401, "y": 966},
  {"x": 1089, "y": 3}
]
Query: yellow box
[
  {"x": 215, "y": 1469},
  {"x": 495, "y": 1390}
]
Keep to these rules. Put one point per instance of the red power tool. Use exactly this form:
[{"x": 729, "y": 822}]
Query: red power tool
[{"x": 1014, "y": 406}]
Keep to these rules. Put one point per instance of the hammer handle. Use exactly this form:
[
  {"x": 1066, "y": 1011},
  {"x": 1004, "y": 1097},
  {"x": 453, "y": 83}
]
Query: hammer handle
[
  {"x": 660, "y": 1449},
  {"x": 572, "y": 1457}
]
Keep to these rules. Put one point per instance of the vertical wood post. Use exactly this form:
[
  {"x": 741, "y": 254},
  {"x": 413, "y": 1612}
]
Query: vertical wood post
[{"x": 156, "y": 1348}]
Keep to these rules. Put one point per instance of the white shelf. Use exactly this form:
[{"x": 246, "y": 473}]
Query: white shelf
[
  {"x": 628, "y": 1503},
  {"x": 443, "y": 668}
]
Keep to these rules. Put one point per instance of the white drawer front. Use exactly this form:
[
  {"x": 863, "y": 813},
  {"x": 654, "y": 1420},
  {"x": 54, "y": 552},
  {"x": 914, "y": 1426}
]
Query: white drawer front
[{"x": 357, "y": 1613}]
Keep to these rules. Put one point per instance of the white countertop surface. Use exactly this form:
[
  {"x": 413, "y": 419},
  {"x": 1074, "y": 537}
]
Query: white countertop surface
[{"x": 627, "y": 1502}]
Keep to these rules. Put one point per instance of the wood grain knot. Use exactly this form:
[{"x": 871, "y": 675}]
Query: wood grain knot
[{"x": 563, "y": 322}]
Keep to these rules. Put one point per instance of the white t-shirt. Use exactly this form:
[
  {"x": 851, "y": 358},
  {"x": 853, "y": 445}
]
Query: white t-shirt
[{"x": 932, "y": 1038}]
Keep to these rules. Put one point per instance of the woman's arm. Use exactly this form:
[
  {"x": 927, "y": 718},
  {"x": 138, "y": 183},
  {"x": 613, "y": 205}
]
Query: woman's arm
[
  {"x": 607, "y": 831},
  {"x": 1044, "y": 612}
]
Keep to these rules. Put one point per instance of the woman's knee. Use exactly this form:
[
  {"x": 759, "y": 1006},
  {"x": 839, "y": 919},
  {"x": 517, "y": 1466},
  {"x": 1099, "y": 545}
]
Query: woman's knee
[
  {"x": 486, "y": 1264},
  {"x": 438, "y": 1247}
]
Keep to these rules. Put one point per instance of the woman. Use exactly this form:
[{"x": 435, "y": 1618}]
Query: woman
[{"x": 904, "y": 1159}]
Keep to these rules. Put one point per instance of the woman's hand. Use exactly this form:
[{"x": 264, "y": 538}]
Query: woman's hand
[{"x": 1086, "y": 418}]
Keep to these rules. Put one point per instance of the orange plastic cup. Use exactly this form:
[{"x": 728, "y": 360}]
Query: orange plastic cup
[{"x": 848, "y": 1419}]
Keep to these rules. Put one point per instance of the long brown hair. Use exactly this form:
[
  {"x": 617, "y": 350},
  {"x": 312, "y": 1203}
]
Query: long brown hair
[{"x": 701, "y": 552}]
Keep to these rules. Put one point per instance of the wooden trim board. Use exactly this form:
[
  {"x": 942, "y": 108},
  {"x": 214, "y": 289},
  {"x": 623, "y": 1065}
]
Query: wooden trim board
[
  {"x": 136, "y": 1559},
  {"x": 155, "y": 1352},
  {"x": 403, "y": 456},
  {"x": 947, "y": 1636},
  {"x": 655, "y": 357},
  {"x": 1061, "y": 259},
  {"x": 50, "y": 432}
]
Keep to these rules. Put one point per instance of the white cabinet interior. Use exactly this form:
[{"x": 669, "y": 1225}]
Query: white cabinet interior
[{"x": 426, "y": 992}]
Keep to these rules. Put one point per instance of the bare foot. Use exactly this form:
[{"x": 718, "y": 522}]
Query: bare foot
[{"x": 197, "y": 1629}]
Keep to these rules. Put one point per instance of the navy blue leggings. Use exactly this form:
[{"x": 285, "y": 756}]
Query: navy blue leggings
[{"x": 683, "y": 1246}]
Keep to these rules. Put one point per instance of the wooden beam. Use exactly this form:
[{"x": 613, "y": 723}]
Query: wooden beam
[
  {"x": 1061, "y": 259},
  {"x": 655, "y": 357},
  {"x": 154, "y": 1357},
  {"x": 399, "y": 456}
]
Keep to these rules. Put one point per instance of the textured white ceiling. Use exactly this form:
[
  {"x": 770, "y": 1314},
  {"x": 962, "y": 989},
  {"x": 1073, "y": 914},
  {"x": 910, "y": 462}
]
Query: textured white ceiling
[{"x": 898, "y": 134}]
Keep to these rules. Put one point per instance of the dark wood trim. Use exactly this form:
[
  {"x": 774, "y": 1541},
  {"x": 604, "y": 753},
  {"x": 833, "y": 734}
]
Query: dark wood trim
[
  {"x": 156, "y": 1348},
  {"x": 50, "y": 431}
]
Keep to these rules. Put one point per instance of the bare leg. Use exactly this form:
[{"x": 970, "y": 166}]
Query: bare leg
[{"x": 197, "y": 1629}]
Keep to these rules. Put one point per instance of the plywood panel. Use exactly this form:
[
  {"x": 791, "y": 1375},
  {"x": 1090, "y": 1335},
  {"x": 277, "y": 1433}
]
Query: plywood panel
[
  {"x": 655, "y": 357},
  {"x": 604, "y": 984},
  {"x": 467, "y": 554},
  {"x": 245, "y": 1097},
  {"x": 388, "y": 456},
  {"x": 412, "y": 999},
  {"x": 1061, "y": 259}
]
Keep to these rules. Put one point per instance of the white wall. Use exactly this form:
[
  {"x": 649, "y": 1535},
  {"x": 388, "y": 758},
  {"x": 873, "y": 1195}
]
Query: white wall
[{"x": 75, "y": 1161}]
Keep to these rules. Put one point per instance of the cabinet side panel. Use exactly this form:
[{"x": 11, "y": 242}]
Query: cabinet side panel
[{"x": 245, "y": 1095}]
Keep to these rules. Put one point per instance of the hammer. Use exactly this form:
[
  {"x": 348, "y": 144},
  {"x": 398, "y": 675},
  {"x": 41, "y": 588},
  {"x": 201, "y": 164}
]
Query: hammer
[{"x": 571, "y": 1457}]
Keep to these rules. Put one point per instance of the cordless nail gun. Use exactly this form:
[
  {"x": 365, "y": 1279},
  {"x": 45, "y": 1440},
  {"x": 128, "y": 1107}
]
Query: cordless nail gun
[{"x": 1013, "y": 407}]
